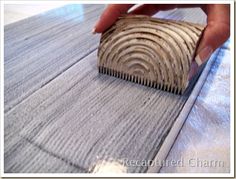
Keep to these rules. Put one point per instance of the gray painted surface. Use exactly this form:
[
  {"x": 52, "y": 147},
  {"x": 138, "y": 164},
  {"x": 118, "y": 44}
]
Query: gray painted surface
[
  {"x": 29, "y": 45},
  {"x": 61, "y": 113}
]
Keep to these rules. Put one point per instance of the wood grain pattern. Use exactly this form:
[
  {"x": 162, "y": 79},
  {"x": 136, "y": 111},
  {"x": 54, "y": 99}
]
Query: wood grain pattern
[
  {"x": 28, "y": 157},
  {"x": 58, "y": 105},
  {"x": 88, "y": 112},
  {"x": 28, "y": 45}
]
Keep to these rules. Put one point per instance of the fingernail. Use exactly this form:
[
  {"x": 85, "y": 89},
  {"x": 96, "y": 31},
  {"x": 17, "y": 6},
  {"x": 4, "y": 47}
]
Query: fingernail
[
  {"x": 203, "y": 55},
  {"x": 186, "y": 85},
  {"x": 94, "y": 30},
  {"x": 193, "y": 70}
]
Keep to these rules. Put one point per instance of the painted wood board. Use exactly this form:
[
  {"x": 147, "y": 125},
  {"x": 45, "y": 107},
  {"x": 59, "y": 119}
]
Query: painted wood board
[
  {"x": 29, "y": 43},
  {"x": 31, "y": 158},
  {"x": 61, "y": 105}
]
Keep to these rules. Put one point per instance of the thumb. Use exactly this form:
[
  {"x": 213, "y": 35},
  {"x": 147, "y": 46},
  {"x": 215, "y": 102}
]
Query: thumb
[{"x": 216, "y": 32}]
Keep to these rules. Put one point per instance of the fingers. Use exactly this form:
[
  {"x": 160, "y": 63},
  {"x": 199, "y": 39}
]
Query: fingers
[
  {"x": 112, "y": 12},
  {"x": 216, "y": 33},
  {"x": 110, "y": 15}
]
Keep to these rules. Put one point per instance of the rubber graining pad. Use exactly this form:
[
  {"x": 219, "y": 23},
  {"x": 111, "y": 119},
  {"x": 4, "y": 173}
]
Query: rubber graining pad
[{"x": 150, "y": 51}]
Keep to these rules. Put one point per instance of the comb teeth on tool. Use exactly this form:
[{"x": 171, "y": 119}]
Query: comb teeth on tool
[{"x": 150, "y": 51}]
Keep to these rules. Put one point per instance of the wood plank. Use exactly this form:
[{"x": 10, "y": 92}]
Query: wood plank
[
  {"x": 30, "y": 158},
  {"x": 82, "y": 115},
  {"x": 59, "y": 103},
  {"x": 28, "y": 59}
]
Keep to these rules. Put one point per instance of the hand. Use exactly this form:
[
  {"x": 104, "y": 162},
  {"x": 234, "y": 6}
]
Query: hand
[{"x": 215, "y": 34}]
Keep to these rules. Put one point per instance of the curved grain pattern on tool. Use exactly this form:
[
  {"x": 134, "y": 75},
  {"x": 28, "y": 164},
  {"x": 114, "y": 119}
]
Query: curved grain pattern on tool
[{"x": 150, "y": 51}]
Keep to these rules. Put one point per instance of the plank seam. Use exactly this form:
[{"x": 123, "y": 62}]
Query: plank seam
[
  {"x": 41, "y": 148},
  {"x": 43, "y": 85}
]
